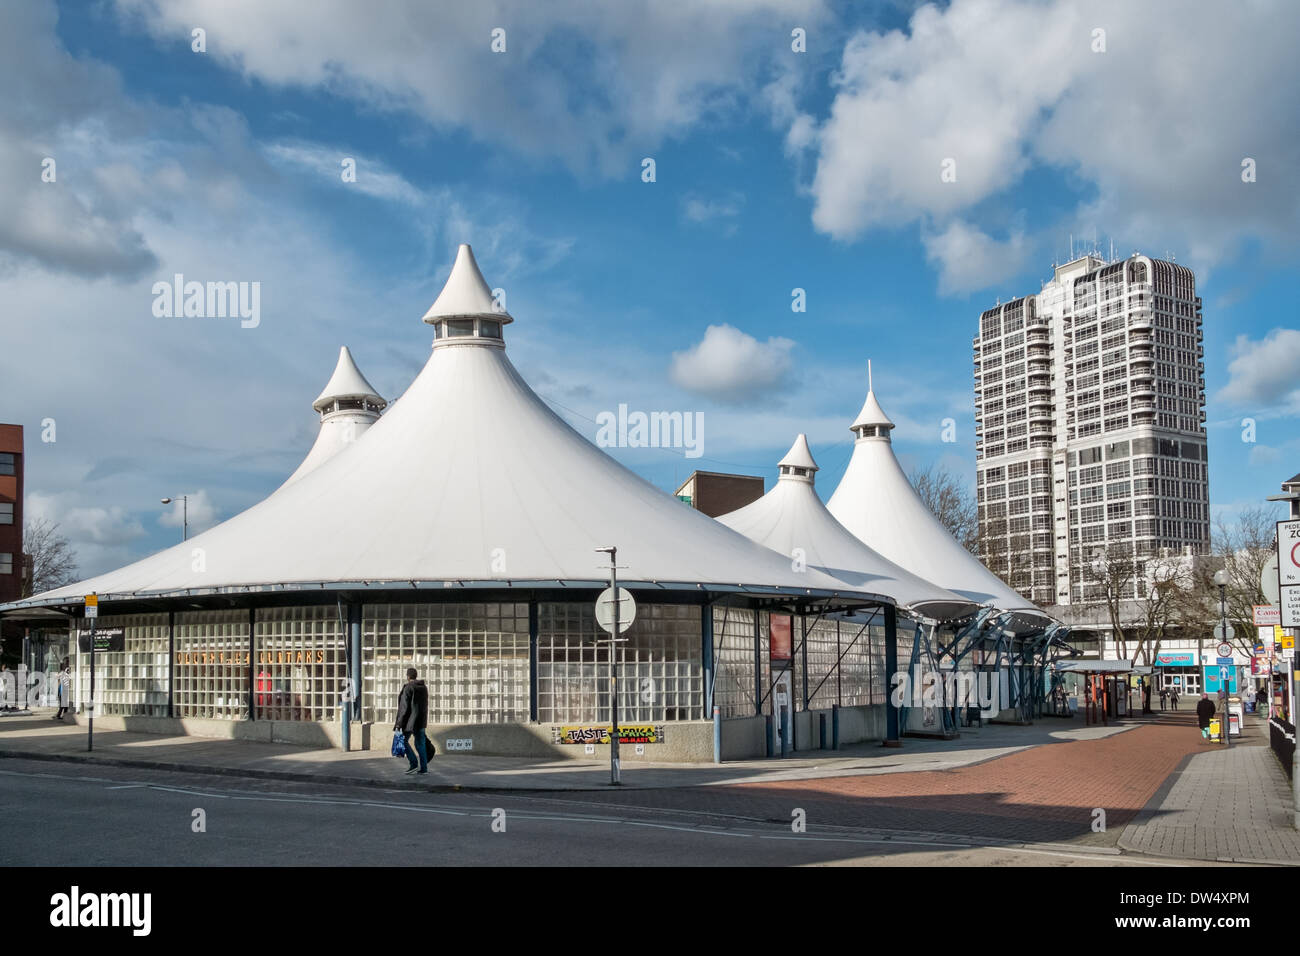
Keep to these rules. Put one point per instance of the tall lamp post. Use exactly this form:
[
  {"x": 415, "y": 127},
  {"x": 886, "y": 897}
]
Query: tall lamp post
[
  {"x": 185, "y": 514},
  {"x": 1221, "y": 581}
]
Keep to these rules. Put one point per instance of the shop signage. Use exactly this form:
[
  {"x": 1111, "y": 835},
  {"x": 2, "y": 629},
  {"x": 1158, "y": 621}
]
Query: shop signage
[
  {"x": 106, "y": 639},
  {"x": 1266, "y": 615},
  {"x": 197, "y": 658},
  {"x": 634, "y": 734},
  {"x": 1182, "y": 659}
]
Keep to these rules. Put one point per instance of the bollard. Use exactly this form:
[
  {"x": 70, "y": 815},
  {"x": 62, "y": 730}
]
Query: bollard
[
  {"x": 717, "y": 734},
  {"x": 785, "y": 732},
  {"x": 821, "y": 720},
  {"x": 771, "y": 747},
  {"x": 835, "y": 727}
]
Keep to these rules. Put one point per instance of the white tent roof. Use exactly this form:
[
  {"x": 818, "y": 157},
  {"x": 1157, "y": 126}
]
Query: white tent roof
[
  {"x": 791, "y": 519},
  {"x": 346, "y": 382},
  {"x": 340, "y": 428},
  {"x": 877, "y": 503},
  {"x": 468, "y": 478},
  {"x": 466, "y": 293},
  {"x": 799, "y": 455}
]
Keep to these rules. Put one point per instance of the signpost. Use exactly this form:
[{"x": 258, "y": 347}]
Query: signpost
[
  {"x": 1288, "y": 572},
  {"x": 92, "y": 614},
  {"x": 610, "y": 614}
]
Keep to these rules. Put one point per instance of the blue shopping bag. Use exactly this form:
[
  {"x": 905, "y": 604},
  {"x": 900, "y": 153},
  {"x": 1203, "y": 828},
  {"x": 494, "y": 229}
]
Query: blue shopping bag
[{"x": 399, "y": 744}]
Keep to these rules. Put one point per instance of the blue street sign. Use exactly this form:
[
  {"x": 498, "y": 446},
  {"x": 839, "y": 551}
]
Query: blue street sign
[{"x": 1225, "y": 661}]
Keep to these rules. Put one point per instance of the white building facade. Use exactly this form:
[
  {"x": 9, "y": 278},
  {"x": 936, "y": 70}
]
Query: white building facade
[{"x": 1090, "y": 426}]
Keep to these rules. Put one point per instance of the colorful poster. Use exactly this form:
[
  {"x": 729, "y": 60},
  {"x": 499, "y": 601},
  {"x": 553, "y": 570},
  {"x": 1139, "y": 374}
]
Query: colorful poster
[{"x": 781, "y": 627}]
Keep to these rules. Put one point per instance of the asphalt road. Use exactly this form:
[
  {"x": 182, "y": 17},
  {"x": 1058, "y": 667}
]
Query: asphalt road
[{"x": 85, "y": 816}]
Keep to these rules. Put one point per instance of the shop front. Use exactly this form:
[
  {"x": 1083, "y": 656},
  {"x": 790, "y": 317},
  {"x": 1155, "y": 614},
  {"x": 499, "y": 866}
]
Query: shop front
[{"x": 1177, "y": 671}]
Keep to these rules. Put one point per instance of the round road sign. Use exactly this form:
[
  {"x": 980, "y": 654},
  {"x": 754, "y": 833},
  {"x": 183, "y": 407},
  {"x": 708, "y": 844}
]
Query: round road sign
[
  {"x": 605, "y": 610},
  {"x": 1225, "y": 649},
  {"x": 1268, "y": 581}
]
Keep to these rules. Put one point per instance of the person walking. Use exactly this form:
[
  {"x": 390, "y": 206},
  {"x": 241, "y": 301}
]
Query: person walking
[
  {"x": 1204, "y": 711},
  {"x": 1173, "y": 698},
  {"x": 65, "y": 688},
  {"x": 412, "y": 719},
  {"x": 1164, "y": 698}
]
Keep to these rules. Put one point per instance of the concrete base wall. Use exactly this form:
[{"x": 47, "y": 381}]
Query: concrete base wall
[
  {"x": 743, "y": 738},
  {"x": 302, "y": 733},
  {"x": 685, "y": 741}
]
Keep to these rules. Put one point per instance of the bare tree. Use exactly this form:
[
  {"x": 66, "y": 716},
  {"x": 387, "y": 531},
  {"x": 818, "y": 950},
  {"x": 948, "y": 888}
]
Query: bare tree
[
  {"x": 1109, "y": 575},
  {"x": 1241, "y": 550},
  {"x": 949, "y": 500},
  {"x": 1146, "y": 598},
  {"x": 53, "y": 562}
]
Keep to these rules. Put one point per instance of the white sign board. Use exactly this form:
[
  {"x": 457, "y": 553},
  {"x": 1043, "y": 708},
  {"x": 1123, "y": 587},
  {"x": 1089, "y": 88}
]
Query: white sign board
[
  {"x": 605, "y": 610},
  {"x": 1268, "y": 580},
  {"x": 1291, "y": 606},
  {"x": 1288, "y": 553},
  {"x": 1267, "y": 615}
]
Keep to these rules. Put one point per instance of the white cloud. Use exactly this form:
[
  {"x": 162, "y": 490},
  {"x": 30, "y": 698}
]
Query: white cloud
[
  {"x": 195, "y": 508},
  {"x": 1264, "y": 373},
  {"x": 592, "y": 84},
  {"x": 730, "y": 366},
  {"x": 969, "y": 259},
  {"x": 1155, "y": 127},
  {"x": 722, "y": 210},
  {"x": 100, "y": 537}
]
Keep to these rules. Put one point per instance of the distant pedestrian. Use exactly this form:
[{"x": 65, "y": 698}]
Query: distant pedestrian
[
  {"x": 1173, "y": 698},
  {"x": 412, "y": 719},
  {"x": 65, "y": 688},
  {"x": 1164, "y": 698},
  {"x": 1204, "y": 711}
]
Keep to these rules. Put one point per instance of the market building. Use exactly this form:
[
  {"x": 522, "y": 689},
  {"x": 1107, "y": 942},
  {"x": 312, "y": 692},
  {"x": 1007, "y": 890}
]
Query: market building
[{"x": 455, "y": 531}]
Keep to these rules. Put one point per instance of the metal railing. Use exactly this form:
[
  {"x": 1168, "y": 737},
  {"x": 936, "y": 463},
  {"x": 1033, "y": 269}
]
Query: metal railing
[{"x": 1282, "y": 739}]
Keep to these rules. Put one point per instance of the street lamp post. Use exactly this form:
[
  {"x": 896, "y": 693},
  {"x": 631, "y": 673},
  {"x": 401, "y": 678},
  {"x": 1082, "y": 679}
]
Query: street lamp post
[
  {"x": 1221, "y": 580},
  {"x": 185, "y": 515}
]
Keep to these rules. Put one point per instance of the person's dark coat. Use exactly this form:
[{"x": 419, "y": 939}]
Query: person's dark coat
[
  {"x": 1204, "y": 711},
  {"x": 413, "y": 707}
]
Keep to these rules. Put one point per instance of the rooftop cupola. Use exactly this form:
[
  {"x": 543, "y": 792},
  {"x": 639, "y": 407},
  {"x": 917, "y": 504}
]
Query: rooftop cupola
[
  {"x": 872, "y": 422},
  {"x": 348, "y": 391},
  {"x": 466, "y": 312},
  {"x": 798, "y": 464}
]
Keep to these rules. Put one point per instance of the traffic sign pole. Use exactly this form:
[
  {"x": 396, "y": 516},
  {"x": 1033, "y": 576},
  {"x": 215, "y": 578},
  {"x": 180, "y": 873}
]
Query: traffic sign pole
[{"x": 92, "y": 612}]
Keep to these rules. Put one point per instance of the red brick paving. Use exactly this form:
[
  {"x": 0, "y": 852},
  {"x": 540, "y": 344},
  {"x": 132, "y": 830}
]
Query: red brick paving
[
  {"x": 1043, "y": 794},
  {"x": 1119, "y": 773}
]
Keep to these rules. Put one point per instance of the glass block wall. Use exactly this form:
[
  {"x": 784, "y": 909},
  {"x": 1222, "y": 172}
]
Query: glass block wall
[
  {"x": 211, "y": 664},
  {"x": 130, "y": 682},
  {"x": 660, "y": 665},
  {"x": 301, "y": 668},
  {"x": 474, "y": 657}
]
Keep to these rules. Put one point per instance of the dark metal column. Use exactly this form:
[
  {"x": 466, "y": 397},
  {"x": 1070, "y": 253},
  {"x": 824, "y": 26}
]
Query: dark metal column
[
  {"x": 354, "y": 642},
  {"x": 532, "y": 660},
  {"x": 891, "y": 668},
  {"x": 706, "y": 655},
  {"x": 252, "y": 664},
  {"x": 758, "y": 664},
  {"x": 171, "y": 663}
]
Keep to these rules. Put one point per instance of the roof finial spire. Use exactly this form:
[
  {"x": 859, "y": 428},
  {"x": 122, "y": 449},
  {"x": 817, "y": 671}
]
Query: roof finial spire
[{"x": 869, "y": 385}]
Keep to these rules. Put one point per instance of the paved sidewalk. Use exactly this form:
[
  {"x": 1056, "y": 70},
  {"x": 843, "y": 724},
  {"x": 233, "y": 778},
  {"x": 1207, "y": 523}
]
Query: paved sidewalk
[
  {"x": 1222, "y": 804},
  {"x": 42, "y": 738}
]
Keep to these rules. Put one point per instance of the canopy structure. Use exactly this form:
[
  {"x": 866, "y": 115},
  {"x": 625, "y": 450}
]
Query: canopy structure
[
  {"x": 470, "y": 480},
  {"x": 348, "y": 405},
  {"x": 876, "y": 502},
  {"x": 791, "y": 519}
]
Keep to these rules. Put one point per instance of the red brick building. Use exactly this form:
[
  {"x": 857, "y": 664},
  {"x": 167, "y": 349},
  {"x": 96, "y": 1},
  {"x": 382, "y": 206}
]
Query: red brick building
[{"x": 11, "y": 512}]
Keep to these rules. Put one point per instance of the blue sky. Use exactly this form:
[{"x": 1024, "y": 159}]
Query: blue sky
[{"x": 775, "y": 170}]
